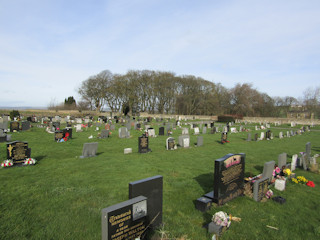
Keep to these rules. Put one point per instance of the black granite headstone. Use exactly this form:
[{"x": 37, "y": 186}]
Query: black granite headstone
[
  {"x": 228, "y": 178},
  {"x": 152, "y": 188},
  {"x": 69, "y": 131},
  {"x": 58, "y": 135},
  {"x": 18, "y": 151},
  {"x": 25, "y": 125},
  {"x": 143, "y": 143},
  {"x": 126, "y": 220},
  {"x": 224, "y": 137},
  {"x": 161, "y": 131}
]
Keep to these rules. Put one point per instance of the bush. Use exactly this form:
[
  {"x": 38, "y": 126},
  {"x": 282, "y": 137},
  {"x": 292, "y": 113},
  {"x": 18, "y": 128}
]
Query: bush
[
  {"x": 14, "y": 113},
  {"x": 226, "y": 118}
]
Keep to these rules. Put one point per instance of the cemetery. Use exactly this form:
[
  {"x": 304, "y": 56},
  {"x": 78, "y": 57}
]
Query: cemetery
[{"x": 115, "y": 178}]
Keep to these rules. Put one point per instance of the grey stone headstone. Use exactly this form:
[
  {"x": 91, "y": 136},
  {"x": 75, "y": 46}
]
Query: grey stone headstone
[
  {"x": 170, "y": 143},
  {"x": 294, "y": 162},
  {"x": 151, "y": 132},
  {"x": 308, "y": 152},
  {"x": 112, "y": 127},
  {"x": 184, "y": 141},
  {"x": 282, "y": 160},
  {"x": 199, "y": 141},
  {"x": 89, "y": 150},
  {"x": 196, "y": 130},
  {"x": 204, "y": 130},
  {"x": 268, "y": 170},
  {"x": 260, "y": 188},
  {"x": 262, "y": 136},
  {"x": 123, "y": 132},
  {"x": 288, "y": 134},
  {"x": 249, "y": 137},
  {"x": 185, "y": 131},
  {"x": 131, "y": 214},
  {"x": 128, "y": 125},
  {"x": 280, "y": 135},
  {"x": 104, "y": 133},
  {"x": 152, "y": 188}
]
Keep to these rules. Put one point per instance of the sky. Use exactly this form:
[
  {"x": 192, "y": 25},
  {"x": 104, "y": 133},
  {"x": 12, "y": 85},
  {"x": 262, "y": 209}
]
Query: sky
[{"x": 49, "y": 47}]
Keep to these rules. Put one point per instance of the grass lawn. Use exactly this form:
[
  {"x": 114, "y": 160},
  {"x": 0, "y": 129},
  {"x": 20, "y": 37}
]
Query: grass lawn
[{"x": 61, "y": 197}]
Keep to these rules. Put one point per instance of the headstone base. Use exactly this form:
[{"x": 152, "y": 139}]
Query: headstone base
[{"x": 203, "y": 204}]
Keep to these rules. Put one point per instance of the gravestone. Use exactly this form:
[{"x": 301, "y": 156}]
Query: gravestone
[
  {"x": 25, "y": 125},
  {"x": 143, "y": 142},
  {"x": 291, "y": 133},
  {"x": 268, "y": 135},
  {"x": 282, "y": 160},
  {"x": 249, "y": 137},
  {"x": 107, "y": 126},
  {"x": 123, "y": 132},
  {"x": 161, "y": 131},
  {"x": 152, "y": 188},
  {"x": 170, "y": 143},
  {"x": 14, "y": 126},
  {"x": 151, "y": 132},
  {"x": 112, "y": 127},
  {"x": 104, "y": 133},
  {"x": 260, "y": 188},
  {"x": 18, "y": 151},
  {"x": 213, "y": 130},
  {"x": 126, "y": 220},
  {"x": 262, "y": 136},
  {"x": 3, "y": 136},
  {"x": 268, "y": 170},
  {"x": 98, "y": 124},
  {"x": 199, "y": 141},
  {"x": 233, "y": 130},
  {"x": 128, "y": 126},
  {"x": 204, "y": 130},
  {"x": 288, "y": 134},
  {"x": 224, "y": 137},
  {"x": 56, "y": 125},
  {"x": 308, "y": 153},
  {"x": 89, "y": 150},
  {"x": 228, "y": 178},
  {"x": 185, "y": 131},
  {"x": 294, "y": 162},
  {"x": 78, "y": 128},
  {"x": 67, "y": 132},
  {"x": 184, "y": 141},
  {"x": 196, "y": 130},
  {"x": 58, "y": 135},
  {"x": 280, "y": 135}
]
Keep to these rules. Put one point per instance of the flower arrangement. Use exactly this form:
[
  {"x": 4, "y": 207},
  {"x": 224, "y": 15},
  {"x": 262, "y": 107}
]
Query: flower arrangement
[
  {"x": 29, "y": 161},
  {"x": 310, "y": 184},
  {"x": 276, "y": 171},
  {"x": 287, "y": 172},
  {"x": 303, "y": 180},
  {"x": 7, "y": 163},
  {"x": 269, "y": 193}
]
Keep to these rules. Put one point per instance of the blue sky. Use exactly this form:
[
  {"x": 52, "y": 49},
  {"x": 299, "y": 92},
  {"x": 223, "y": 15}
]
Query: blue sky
[{"x": 47, "y": 48}]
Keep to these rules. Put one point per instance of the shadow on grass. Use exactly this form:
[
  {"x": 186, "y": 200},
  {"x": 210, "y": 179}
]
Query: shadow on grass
[
  {"x": 259, "y": 168},
  {"x": 205, "y": 181},
  {"x": 317, "y": 149}
]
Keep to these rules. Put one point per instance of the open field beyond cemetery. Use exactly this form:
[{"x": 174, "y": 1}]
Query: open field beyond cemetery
[{"x": 61, "y": 197}]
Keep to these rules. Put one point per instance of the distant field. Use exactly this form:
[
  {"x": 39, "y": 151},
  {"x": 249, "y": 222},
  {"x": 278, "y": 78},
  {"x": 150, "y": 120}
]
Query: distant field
[{"x": 61, "y": 197}]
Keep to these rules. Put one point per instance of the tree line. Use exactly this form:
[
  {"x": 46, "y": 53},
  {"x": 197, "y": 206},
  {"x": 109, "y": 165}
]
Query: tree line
[{"x": 165, "y": 92}]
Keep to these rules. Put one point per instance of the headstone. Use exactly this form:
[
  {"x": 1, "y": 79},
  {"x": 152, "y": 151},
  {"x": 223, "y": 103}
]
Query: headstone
[
  {"x": 25, "y": 125},
  {"x": 14, "y": 126},
  {"x": 260, "y": 188},
  {"x": 184, "y": 141},
  {"x": 262, "y": 136},
  {"x": 170, "y": 143},
  {"x": 288, "y": 134},
  {"x": 268, "y": 135},
  {"x": 280, "y": 135},
  {"x": 196, "y": 130},
  {"x": 18, "y": 151},
  {"x": 204, "y": 130},
  {"x": 282, "y": 160},
  {"x": 127, "y": 150},
  {"x": 89, "y": 150},
  {"x": 249, "y": 137},
  {"x": 123, "y": 132},
  {"x": 126, "y": 220},
  {"x": 213, "y": 130},
  {"x": 152, "y": 188},
  {"x": 143, "y": 143},
  {"x": 233, "y": 130},
  {"x": 112, "y": 127},
  {"x": 161, "y": 131},
  {"x": 185, "y": 131},
  {"x": 228, "y": 178},
  {"x": 56, "y": 125},
  {"x": 268, "y": 170},
  {"x": 107, "y": 126},
  {"x": 78, "y": 128},
  {"x": 199, "y": 141},
  {"x": 58, "y": 135},
  {"x": 256, "y": 136},
  {"x": 104, "y": 133},
  {"x": 128, "y": 125},
  {"x": 294, "y": 162},
  {"x": 3, "y": 136},
  {"x": 151, "y": 132},
  {"x": 224, "y": 137},
  {"x": 308, "y": 153}
]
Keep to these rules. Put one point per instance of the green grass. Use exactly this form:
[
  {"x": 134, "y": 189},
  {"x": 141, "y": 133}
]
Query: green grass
[{"x": 61, "y": 197}]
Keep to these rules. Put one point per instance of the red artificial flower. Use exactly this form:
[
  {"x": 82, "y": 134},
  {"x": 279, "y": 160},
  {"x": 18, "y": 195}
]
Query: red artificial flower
[{"x": 310, "y": 184}]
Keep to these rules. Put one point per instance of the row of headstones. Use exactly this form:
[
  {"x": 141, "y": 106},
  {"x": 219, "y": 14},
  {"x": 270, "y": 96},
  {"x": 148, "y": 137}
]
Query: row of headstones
[{"x": 269, "y": 135}]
